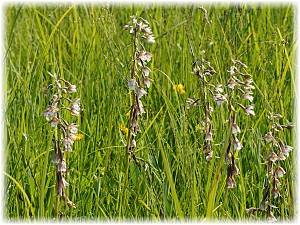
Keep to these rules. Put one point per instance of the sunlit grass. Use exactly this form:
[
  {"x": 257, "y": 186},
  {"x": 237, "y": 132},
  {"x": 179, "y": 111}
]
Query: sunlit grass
[{"x": 86, "y": 44}]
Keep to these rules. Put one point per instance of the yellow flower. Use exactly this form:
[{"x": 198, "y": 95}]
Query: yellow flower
[
  {"x": 128, "y": 114},
  {"x": 179, "y": 88},
  {"x": 123, "y": 129},
  {"x": 199, "y": 127},
  {"x": 77, "y": 137}
]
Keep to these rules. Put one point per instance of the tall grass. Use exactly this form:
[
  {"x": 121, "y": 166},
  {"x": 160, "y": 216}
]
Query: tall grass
[{"x": 86, "y": 44}]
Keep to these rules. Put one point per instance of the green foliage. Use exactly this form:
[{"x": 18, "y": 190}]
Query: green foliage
[{"x": 86, "y": 44}]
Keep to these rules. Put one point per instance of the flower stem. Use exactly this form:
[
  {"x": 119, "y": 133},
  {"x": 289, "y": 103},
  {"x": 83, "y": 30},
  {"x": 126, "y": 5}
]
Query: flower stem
[
  {"x": 129, "y": 137},
  {"x": 56, "y": 207},
  {"x": 57, "y": 151}
]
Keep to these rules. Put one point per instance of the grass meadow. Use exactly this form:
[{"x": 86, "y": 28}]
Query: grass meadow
[{"x": 169, "y": 178}]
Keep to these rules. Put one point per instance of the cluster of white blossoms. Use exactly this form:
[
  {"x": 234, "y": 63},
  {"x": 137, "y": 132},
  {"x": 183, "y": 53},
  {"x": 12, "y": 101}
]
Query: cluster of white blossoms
[
  {"x": 67, "y": 132},
  {"x": 204, "y": 71},
  {"x": 139, "y": 80},
  {"x": 278, "y": 152},
  {"x": 140, "y": 26},
  {"x": 239, "y": 87}
]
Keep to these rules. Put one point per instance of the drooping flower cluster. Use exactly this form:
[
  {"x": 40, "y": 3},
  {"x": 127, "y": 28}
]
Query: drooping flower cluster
[
  {"x": 139, "y": 80},
  {"x": 239, "y": 84},
  {"x": 239, "y": 87},
  {"x": 66, "y": 133},
  {"x": 140, "y": 26},
  {"x": 278, "y": 152},
  {"x": 204, "y": 71}
]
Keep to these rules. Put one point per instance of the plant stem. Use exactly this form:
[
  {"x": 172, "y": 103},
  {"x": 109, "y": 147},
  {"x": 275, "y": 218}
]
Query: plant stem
[
  {"x": 129, "y": 137},
  {"x": 57, "y": 151},
  {"x": 56, "y": 207}
]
